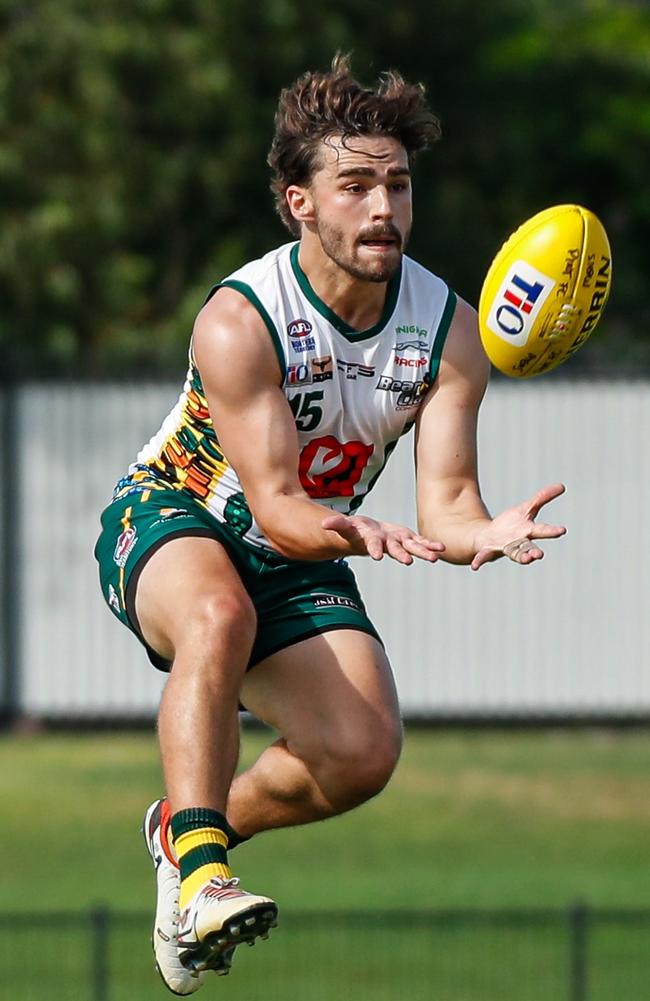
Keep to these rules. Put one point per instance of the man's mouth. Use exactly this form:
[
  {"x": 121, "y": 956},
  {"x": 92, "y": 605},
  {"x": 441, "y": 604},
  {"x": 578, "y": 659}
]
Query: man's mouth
[{"x": 383, "y": 242}]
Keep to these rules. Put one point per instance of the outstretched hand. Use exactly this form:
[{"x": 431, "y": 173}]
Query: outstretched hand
[
  {"x": 377, "y": 539},
  {"x": 512, "y": 533}
]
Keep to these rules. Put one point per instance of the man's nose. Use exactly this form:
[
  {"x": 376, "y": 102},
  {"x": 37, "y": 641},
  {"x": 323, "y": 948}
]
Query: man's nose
[{"x": 380, "y": 206}]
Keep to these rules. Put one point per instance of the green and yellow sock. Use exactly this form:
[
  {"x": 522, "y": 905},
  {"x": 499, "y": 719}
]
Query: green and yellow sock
[
  {"x": 234, "y": 838},
  {"x": 200, "y": 842}
]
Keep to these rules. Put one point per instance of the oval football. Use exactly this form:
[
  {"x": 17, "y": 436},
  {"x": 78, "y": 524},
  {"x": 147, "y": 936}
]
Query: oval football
[{"x": 545, "y": 291}]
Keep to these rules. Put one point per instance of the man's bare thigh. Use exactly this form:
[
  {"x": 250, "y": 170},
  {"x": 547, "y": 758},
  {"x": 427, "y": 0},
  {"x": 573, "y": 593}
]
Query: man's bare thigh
[
  {"x": 176, "y": 582},
  {"x": 332, "y": 683}
]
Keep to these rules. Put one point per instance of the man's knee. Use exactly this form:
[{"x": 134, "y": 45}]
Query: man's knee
[
  {"x": 217, "y": 623},
  {"x": 359, "y": 763}
]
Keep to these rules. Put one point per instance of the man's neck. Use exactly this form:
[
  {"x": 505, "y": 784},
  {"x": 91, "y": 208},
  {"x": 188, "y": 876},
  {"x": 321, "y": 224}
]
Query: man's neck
[{"x": 359, "y": 303}]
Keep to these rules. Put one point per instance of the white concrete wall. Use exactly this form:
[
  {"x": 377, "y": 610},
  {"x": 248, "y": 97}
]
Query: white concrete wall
[{"x": 567, "y": 636}]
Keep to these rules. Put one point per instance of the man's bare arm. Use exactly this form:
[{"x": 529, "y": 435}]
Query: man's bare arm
[{"x": 450, "y": 506}]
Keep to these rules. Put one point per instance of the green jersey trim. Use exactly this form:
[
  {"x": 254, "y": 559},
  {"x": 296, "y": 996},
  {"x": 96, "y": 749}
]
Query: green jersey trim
[
  {"x": 344, "y": 328},
  {"x": 441, "y": 333},
  {"x": 249, "y": 294}
]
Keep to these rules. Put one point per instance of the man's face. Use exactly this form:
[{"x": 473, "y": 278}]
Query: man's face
[{"x": 361, "y": 194}]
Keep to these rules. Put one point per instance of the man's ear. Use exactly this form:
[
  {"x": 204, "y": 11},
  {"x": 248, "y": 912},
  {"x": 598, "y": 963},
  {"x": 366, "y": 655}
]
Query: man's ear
[{"x": 301, "y": 204}]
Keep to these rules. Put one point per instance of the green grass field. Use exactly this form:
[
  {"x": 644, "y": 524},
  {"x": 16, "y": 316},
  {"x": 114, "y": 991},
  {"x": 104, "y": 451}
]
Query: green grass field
[{"x": 471, "y": 819}]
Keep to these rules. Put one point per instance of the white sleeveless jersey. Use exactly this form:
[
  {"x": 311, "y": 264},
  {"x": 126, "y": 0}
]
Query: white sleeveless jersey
[{"x": 352, "y": 393}]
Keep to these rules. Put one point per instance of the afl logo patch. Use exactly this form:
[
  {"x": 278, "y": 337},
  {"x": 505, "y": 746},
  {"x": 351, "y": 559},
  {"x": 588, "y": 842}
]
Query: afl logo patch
[
  {"x": 125, "y": 544},
  {"x": 299, "y": 328}
]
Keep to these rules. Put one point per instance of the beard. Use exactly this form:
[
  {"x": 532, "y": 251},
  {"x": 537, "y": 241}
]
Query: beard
[{"x": 350, "y": 258}]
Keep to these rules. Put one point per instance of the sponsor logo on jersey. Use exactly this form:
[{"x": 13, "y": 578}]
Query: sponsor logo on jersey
[
  {"x": 299, "y": 331},
  {"x": 410, "y": 393},
  {"x": 523, "y": 292},
  {"x": 411, "y": 362},
  {"x": 334, "y": 601},
  {"x": 331, "y": 468},
  {"x": 113, "y": 600},
  {"x": 321, "y": 369},
  {"x": 167, "y": 514},
  {"x": 405, "y": 345},
  {"x": 411, "y": 328},
  {"x": 306, "y": 344},
  {"x": 125, "y": 544},
  {"x": 298, "y": 375},
  {"x": 299, "y": 328},
  {"x": 352, "y": 369}
]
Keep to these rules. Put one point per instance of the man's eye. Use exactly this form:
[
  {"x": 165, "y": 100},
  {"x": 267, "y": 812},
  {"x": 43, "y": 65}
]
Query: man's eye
[{"x": 354, "y": 188}]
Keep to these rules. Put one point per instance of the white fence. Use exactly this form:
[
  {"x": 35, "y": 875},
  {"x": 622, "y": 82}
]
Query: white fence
[{"x": 569, "y": 636}]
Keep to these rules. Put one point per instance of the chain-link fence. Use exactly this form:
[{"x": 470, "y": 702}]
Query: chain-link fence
[{"x": 577, "y": 954}]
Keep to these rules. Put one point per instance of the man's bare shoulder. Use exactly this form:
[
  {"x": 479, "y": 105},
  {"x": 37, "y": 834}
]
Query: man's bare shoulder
[
  {"x": 464, "y": 361},
  {"x": 229, "y": 326},
  {"x": 228, "y": 311}
]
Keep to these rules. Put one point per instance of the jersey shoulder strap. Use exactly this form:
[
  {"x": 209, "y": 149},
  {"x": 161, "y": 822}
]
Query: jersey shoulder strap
[
  {"x": 260, "y": 282},
  {"x": 426, "y": 308}
]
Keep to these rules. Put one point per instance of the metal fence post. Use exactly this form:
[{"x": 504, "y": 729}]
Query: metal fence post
[
  {"x": 10, "y": 566},
  {"x": 578, "y": 934},
  {"x": 100, "y": 928}
]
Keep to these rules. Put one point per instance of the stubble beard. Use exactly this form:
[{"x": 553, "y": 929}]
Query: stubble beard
[{"x": 333, "y": 242}]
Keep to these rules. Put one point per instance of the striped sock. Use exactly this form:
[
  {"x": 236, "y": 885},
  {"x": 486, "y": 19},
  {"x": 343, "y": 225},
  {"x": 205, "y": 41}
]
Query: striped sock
[
  {"x": 200, "y": 842},
  {"x": 234, "y": 838}
]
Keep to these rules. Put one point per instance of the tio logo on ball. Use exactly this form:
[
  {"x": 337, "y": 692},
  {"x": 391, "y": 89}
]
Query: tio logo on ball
[{"x": 519, "y": 300}]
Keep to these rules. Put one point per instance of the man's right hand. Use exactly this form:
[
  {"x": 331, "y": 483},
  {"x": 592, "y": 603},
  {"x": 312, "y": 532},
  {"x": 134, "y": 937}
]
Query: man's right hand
[{"x": 377, "y": 539}]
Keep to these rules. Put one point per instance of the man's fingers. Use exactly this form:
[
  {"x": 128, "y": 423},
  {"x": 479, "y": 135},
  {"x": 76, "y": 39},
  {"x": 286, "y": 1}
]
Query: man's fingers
[
  {"x": 403, "y": 549},
  {"x": 512, "y": 549},
  {"x": 434, "y": 547},
  {"x": 357, "y": 532},
  {"x": 403, "y": 545},
  {"x": 374, "y": 546},
  {"x": 379, "y": 539},
  {"x": 544, "y": 531},
  {"x": 424, "y": 549},
  {"x": 523, "y": 551},
  {"x": 542, "y": 497},
  {"x": 338, "y": 523},
  {"x": 486, "y": 555},
  {"x": 396, "y": 550}
]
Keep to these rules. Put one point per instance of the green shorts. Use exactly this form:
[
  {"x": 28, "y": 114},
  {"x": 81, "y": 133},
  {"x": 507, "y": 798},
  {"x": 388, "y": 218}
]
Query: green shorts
[{"x": 293, "y": 599}]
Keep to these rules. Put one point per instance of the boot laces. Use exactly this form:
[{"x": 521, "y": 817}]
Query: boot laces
[{"x": 223, "y": 884}]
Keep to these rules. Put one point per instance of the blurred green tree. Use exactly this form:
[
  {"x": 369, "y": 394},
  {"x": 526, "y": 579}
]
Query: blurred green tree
[{"x": 134, "y": 137}]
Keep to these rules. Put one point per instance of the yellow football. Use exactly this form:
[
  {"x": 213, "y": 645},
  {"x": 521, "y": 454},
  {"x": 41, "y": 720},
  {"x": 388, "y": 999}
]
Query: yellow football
[{"x": 545, "y": 291}]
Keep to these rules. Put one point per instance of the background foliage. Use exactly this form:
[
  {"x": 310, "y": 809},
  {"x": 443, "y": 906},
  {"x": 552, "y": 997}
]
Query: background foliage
[{"x": 134, "y": 136}]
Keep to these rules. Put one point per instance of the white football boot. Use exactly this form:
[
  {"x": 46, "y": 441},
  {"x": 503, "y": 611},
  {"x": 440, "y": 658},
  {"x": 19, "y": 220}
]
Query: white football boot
[
  {"x": 218, "y": 918},
  {"x": 164, "y": 937}
]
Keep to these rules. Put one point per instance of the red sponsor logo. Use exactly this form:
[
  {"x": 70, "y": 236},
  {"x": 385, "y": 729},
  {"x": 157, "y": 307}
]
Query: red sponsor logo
[
  {"x": 410, "y": 362},
  {"x": 330, "y": 468}
]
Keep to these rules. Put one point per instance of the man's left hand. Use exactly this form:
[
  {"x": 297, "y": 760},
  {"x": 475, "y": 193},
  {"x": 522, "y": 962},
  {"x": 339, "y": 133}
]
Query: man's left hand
[{"x": 513, "y": 533}]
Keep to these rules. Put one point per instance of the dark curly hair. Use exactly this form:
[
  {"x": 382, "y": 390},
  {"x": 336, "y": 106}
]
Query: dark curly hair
[{"x": 320, "y": 105}]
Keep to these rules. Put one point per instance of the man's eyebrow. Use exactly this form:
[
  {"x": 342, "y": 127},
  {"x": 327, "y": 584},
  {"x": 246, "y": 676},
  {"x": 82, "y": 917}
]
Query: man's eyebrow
[{"x": 371, "y": 172}]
